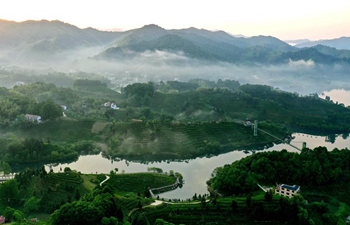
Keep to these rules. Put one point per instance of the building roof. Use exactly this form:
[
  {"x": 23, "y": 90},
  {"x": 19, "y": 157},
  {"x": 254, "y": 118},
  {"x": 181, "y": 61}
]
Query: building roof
[
  {"x": 32, "y": 116},
  {"x": 289, "y": 187}
]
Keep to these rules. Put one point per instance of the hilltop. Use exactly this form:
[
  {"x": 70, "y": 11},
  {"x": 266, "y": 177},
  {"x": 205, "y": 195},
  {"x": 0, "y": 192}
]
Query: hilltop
[{"x": 43, "y": 41}]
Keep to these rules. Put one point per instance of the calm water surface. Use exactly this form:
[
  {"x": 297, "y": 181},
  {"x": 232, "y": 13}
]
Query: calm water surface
[
  {"x": 196, "y": 171},
  {"x": 338, "y": 95}
]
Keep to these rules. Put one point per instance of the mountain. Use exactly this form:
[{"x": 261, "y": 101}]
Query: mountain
[
  {"x": 50, "y": 41},
  {"x": 345, "y": 54},
  {"x": 197, "y": 43},
  {"x": 169, "y": 42},
  {"x": 217, "y": 46},
  {"x": 338, "y": 43},
  {"x": 145, "y": 33},
  {"x": 65, "y": 35},
  {"x": 45, "y": 38},
  {"x": 297, "y": 41}
]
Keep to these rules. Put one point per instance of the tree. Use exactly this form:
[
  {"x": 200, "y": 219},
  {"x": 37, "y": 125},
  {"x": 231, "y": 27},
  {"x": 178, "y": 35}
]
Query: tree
[
  {"x": 248, "y": 200},
  {"x": 77, "y": 194},
  {"x": 194, "y": 196},
  {"x": 203, "y": 202},
  {"x": 50, "y": 110},
  {"x": 268, "y": 196},
  {"x": 113, "y": 127},
  {"x": 105, "y": 221},
  {"x": 67, "y": 170},
  {"x": 9, "y": 194},
  {"x": 32, "y": 205},
  {"x": 5, "y": 168},
  {"x": 160, "y": 221},
  {"x": 139, "y": 205},
  {"x": 139, "y": 219},
  {"x": 113, "y": 220},
  {"x": 8, "y": 213},
  {"x": 234, "y": 205}
]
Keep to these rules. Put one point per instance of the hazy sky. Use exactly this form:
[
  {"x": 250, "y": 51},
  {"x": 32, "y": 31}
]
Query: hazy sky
[{"x": 312, "y": 19}]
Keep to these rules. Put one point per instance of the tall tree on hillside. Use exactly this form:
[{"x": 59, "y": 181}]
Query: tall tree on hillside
[
  {"x": 5, "y": 168},
  {"x": 50, "y": 110},
  {"x": 9, "y": 194}
]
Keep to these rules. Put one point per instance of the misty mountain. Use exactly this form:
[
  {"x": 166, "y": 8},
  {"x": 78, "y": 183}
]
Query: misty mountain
[
  {"x": 145, "y": 33},
  {"x": 40, "y": 39},
  {"x": 216, "y": 46},
  {"x": 54, "y": 41},
  {"x": 63, "y": 34},
  {"x": 338, "y": 43},
  {"x": 169, "y": 42},
  {"x": 333, "y": 51},
  {"x": 198, "y": 43},
  {"x": 297, "y": 41}
]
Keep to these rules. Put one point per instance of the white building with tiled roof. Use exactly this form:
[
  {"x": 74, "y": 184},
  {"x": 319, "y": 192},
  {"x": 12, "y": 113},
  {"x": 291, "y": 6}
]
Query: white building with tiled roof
[{"x": 287, "y": 190}]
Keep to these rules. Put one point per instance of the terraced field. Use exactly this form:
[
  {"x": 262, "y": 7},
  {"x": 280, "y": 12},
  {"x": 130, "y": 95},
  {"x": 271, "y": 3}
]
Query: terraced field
[
  {"x": 59, "y": 188},
  {"x": 187, "y": 140},
  {"x": 220, "y": 212}
]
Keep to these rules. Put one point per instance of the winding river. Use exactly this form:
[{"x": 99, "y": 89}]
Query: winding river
[{"x": 197, "y": 171}]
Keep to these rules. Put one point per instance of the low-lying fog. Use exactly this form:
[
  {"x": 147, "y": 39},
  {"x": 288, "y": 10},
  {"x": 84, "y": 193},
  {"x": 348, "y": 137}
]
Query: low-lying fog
[{"x": 303, "y": 77}]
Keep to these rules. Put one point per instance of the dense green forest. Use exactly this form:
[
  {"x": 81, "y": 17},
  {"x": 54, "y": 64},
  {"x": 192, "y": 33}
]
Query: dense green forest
[
  {"x": 168, "y": 120},
  {"x": 315, "y": 167},
  {"x": 199, "y": 118},
  {"x": 57, "y": 198}
]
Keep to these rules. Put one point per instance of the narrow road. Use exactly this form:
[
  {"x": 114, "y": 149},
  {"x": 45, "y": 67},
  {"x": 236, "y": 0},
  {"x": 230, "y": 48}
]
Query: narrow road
[{"x": 107, "y": 178}]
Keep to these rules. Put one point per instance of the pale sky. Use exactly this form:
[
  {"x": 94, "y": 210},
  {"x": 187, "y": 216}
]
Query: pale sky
[{"x": 297, "y": 19}]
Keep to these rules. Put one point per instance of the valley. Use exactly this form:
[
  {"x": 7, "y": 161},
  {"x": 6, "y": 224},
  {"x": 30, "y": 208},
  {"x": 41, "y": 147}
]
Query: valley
[{"x": 93, "y": 123}]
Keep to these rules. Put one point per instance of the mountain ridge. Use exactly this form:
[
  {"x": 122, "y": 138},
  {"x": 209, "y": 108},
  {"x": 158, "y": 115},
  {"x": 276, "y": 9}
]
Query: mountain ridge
[
  {"x": 44, "y": 40},
  {"x": 341, "y": 43}
]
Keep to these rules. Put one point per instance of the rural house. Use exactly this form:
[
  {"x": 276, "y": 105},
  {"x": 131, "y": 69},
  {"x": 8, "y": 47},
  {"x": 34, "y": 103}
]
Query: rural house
[
  {"x": 33, "y": 118},
  {"x": 114, "y": 106},
  {"x": 287, "y": 190}
]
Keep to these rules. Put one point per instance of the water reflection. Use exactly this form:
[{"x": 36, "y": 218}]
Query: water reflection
[
  {"x": 338, "y": 96},
  {"x": 195, "y": 171}
]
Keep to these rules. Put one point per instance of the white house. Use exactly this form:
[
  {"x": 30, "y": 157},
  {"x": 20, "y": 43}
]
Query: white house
[
  {"x": 64, "y": 107},
  {"x": 287, "y": 190},
  {"x": 114, "y": 106},
  {"x": 107, "y": 104},
  {"x": 33, "y": 118}
]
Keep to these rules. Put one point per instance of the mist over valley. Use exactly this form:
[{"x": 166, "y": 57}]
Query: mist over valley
[{"x": 152, "y": 53}]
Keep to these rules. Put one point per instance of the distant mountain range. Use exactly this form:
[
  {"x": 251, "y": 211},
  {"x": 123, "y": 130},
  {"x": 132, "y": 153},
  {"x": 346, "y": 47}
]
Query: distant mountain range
[
  {"x": 45, "y": 40},
  {"x": 342, "y": 43}
]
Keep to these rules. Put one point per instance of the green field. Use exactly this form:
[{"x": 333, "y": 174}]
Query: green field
[
  {"x": 152, "y": 141},
  {"x": 59, "y": 130},
  {"x": 219, "y": 212}
]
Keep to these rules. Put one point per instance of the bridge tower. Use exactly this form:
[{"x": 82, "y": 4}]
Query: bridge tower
[{"x": 255, "y": 127}]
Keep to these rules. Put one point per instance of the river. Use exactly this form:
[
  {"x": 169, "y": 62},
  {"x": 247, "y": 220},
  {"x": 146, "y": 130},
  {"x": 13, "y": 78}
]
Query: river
[
  {"x": 197, "y": 171},
  {"x": 338, "y": 95}
]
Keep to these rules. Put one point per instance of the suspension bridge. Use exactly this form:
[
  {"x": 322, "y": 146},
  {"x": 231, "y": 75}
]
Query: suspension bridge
[{"x": 256, "y": 129}]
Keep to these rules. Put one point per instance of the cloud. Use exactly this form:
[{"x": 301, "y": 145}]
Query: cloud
[
  {"x": 301, "y": 63},
  {"x": 296, "y": 76}
]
